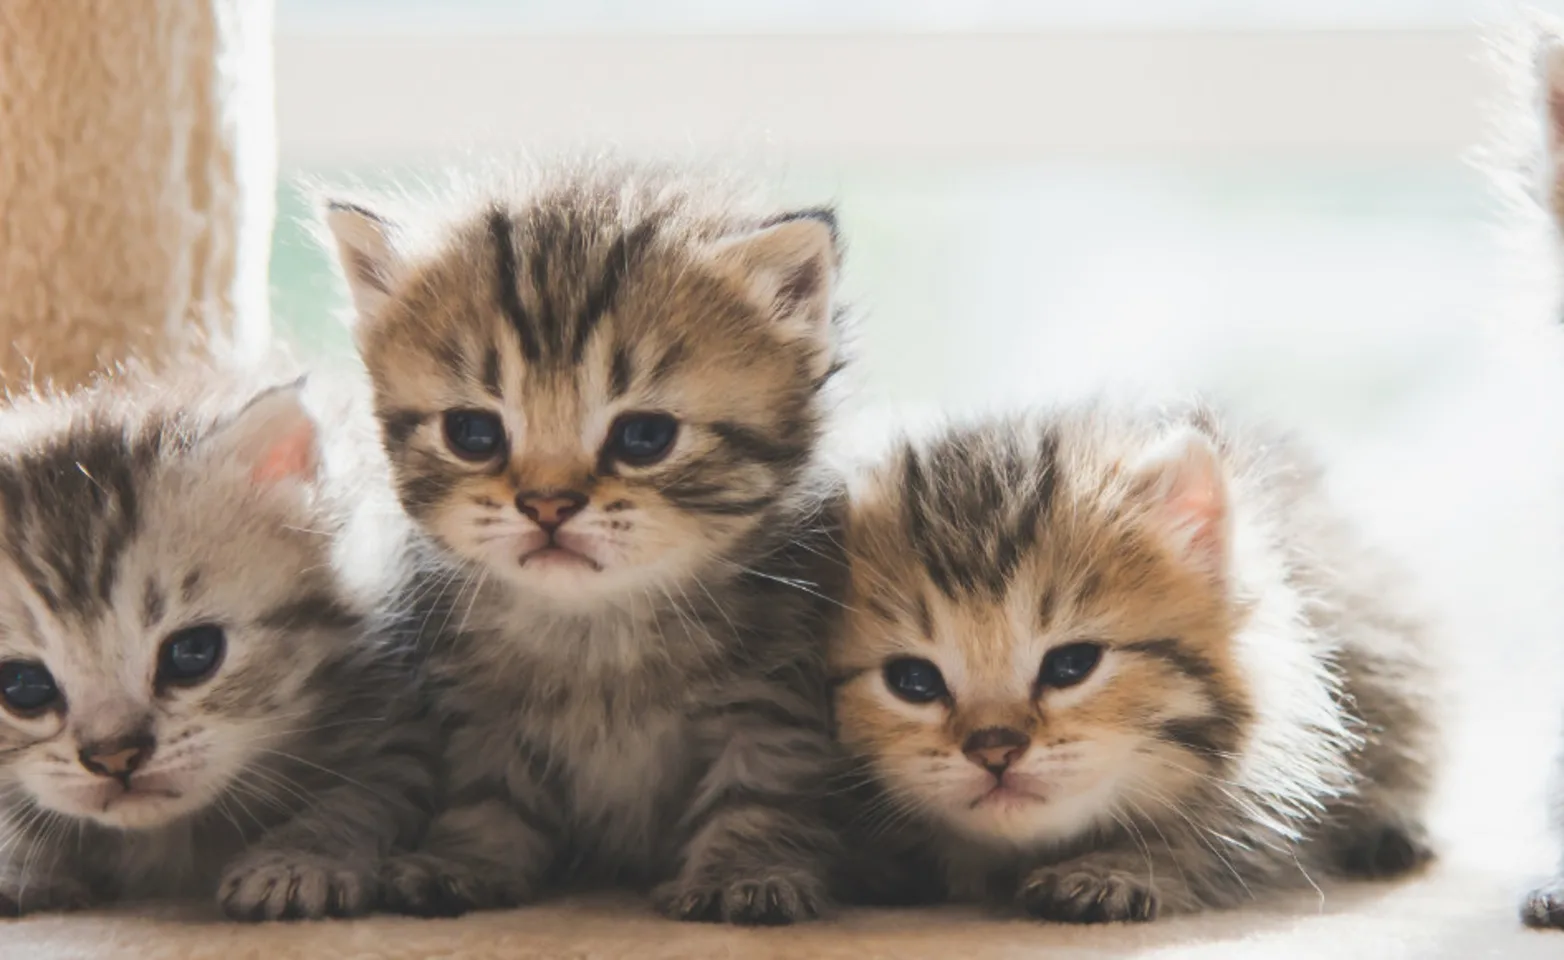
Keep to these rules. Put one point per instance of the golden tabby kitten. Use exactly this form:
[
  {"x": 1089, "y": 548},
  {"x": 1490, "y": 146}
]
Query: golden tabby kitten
[
  {"x": 1109, "y": 665},
  {"x": 601, "y": 389}
]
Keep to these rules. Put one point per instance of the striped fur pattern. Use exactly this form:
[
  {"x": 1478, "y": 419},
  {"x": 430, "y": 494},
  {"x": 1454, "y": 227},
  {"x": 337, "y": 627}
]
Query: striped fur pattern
[
  {"x": 274, "y": 784},
  {"x": 1169, "y": 677},
  {"x": 635, "y": 694}
]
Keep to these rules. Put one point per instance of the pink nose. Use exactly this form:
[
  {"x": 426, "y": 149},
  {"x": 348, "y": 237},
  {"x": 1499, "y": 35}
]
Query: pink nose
[
  {"x": 549, "y": 509},
  {"x": 996, "y": 748},
  {"x": 116, "y": 758}
]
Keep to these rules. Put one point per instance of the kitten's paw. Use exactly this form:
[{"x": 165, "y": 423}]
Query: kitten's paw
[
  {"x": 46, "y": 896},
  {"x": 775, "y": 898},
  {"x": 290, "y": 885},
  {"x": 1383, "y": 851},
  {"x": 1544, "y": 907},
  {"x": 424, "y": 885},
  {"x": 1083, "y": 894}
]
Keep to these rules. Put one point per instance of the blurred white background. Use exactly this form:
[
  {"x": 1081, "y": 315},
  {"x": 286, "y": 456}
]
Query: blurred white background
[{"x": 1266, "y": 199}]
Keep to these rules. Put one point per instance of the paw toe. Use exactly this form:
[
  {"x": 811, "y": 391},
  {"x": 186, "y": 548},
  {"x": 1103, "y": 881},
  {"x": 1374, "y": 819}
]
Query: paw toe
[
  {"x": 424, "y": 886},
  {"x": 746, "y": 901},
  {"x": 293, "y": 887},
  {"x": 1084, "y": 897}
]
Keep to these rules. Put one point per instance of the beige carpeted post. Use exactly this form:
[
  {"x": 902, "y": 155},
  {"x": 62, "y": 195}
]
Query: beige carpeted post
[{"x": 137, "y": 178}]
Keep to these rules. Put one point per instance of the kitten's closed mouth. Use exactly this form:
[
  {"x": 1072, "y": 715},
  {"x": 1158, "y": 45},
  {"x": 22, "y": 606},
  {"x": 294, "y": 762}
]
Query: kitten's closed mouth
[
  {"x": 557, "y": 556},
  {"x": 1007, "y": 795},
  {"x": 138, "y": 794}
]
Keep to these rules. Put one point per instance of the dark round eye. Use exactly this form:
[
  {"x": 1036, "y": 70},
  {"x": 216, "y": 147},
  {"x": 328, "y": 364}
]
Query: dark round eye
[
  {"x": 1070, "y": 664},
  {"x": 914, "y": 680},
  {"x": 191, "y": 655},
  {"x": 473, "y": 434},
  {"x": 641, "y": 439},
  {"x": 27, "y": 687}
]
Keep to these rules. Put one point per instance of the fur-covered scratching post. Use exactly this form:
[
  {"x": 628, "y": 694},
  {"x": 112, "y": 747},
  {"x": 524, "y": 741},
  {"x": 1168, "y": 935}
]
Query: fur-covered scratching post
[{"x": 137, "y": 178}]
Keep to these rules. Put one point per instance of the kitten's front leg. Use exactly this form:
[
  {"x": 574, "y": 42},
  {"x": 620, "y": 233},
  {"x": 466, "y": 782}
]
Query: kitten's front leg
[
  {"x": 1108, "y": 885},
  {"x": 36, "y": 876},
  {"x": 495, "y": 837},
  {"x": 326, "y": 860},
  {"x": 760, "y": 848},
  {"x": 753, "y": 864},
  {"x": 479, "y": 855},
  {"x": 41, "y": 892},
  {"x": 322, "y": 863}
]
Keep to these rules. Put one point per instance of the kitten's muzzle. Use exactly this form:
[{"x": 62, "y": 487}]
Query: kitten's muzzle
[
  {"x": 549, "y": 509},
  {"x": 996, "y": 748},
  {"x": 118, "y": 758}
]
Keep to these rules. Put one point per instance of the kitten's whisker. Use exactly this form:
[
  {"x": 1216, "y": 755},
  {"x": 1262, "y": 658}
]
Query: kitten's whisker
[
  {"x": 1200, "y": 834},
  {"x": 1166, "y": 843},
  {"x": 802, "y": 585},
  {"x": 326, "y": 770}
]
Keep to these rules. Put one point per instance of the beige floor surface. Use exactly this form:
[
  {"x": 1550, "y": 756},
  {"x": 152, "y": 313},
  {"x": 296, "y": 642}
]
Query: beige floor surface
[{"x": 1452, "y": 914}]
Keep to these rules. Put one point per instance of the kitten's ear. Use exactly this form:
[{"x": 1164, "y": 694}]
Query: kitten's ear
[
  {"x": 367, "y": 251},
  {"x": 273, "y": 438},
  {"x": 1182, "y": 481},
  {"x": 789, "y": 265}
]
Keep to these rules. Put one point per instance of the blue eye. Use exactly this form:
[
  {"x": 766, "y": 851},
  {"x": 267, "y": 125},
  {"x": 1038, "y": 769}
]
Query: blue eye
[
  {"x": 915, "y": 680},
  {"x": 191, "y": 655},
  {"x": 474, "y": 434},
  {"x": 1070, "y": 664},
  {"x": 641, "y": 439},
  {"x": 27, "y": 687}
]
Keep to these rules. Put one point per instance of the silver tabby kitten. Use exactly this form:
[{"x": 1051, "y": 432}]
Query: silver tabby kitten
[
  {"x": 191, "y": 704},
  {"x": 601, "y": 391}
]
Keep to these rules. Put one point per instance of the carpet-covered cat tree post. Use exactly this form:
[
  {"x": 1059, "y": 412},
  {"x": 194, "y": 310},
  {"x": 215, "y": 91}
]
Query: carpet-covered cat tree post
[{"x": 137, "y": 179}]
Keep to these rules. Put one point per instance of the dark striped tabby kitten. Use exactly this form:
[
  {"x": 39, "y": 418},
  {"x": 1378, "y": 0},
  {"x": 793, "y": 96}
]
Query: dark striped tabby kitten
[
  {"x": 601, "y": 391},
  {"x": 1544, "y": 906},
  {"x": 191, "y": 704},
  {"x": 1106, "y": 665}
]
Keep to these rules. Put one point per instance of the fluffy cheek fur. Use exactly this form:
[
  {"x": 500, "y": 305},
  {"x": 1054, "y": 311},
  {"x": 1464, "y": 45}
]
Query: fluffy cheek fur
[
  {"x": 743, "y": 433},
  {"x": 211, "y": 740},
  {"x": 196, "y": 763},
  {"x": 632, "y": 540},
  {"x": 208, "y": 742},
  {"x": 1084, "y": 762},
  {"x": 1150, "y": 720}
]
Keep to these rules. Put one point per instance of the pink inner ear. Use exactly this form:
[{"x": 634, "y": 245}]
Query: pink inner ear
[
  {"x": 292, "y": 457},
  {"x": 1200, "y": 515},
  {"x": 1193, "y": 497}
]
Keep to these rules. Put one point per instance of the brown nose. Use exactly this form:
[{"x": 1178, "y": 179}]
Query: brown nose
[
  {"x": 995, "y": 748},
  {"x": 117, "y": 758},
  {"x": 549, "y": 509}
]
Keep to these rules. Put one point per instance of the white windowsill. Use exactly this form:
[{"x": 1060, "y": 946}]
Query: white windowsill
[{"x": 384, "y": 98}]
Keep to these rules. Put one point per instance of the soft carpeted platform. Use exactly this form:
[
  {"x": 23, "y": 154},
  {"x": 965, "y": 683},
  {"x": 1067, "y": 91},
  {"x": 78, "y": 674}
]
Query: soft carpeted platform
[{"x": 1454, "y": 913}]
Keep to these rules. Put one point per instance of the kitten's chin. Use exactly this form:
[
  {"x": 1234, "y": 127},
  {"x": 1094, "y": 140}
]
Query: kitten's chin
[
  {"x": 577, "y": 574},
  {"x": 152, "y": 802},
  {"x": 1026, "y": 814}
]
